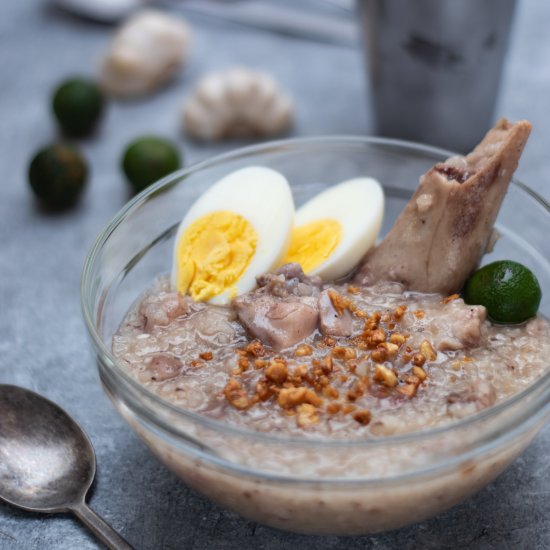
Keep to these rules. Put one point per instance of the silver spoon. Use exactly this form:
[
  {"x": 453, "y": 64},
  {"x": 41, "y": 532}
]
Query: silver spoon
[{"x": 47, "y": 463}]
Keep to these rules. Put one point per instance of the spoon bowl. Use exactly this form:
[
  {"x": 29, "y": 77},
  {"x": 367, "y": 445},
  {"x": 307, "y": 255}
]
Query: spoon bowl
[{"x": 47, "y": 463}]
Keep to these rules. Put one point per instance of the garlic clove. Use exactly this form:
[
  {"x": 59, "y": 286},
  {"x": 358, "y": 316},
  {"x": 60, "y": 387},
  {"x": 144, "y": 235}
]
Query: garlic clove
[
  {"x": 237, "y": 102},
  {"x": 146, "y": 52}
]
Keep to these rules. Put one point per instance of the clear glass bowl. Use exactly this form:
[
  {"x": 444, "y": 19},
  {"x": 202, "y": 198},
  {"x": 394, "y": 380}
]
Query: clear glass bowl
[{"x": 314, "y": 486}]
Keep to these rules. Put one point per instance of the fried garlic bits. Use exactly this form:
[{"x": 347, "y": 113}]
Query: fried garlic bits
[
  {"x": 237, "y": 102},
  {"x": 146, "y": 51}
]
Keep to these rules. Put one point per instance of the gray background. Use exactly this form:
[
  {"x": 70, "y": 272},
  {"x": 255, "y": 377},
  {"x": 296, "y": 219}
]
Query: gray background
[{"x": 43, "y": 344}]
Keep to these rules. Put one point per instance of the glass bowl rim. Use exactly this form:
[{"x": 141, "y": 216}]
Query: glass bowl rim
[{"x": 122, "y": 377}]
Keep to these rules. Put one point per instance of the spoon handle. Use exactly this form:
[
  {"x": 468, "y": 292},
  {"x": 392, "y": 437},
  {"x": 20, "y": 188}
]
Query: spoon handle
[{"x": 100, "y": 528}]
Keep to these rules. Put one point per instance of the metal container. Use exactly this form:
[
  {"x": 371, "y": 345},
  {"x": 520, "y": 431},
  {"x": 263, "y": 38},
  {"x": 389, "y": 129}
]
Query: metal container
[{"x": 435, "y": 67}]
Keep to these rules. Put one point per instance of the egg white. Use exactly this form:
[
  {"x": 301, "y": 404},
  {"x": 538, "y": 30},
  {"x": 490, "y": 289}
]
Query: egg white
[
  {"x": 263, "y": 197},
  {"x": 358, "y": 205}
]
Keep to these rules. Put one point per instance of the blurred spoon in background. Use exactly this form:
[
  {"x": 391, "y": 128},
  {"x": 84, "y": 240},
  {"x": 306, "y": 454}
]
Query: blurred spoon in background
[
  {"x": 326, "y": 21},
  {"x": 103, "y": 11}
]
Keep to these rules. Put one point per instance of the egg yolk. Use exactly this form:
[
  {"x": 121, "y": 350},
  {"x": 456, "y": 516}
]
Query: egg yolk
[
  {"x": 313, "y": 243},
  {"x": 213, "y": 253}
]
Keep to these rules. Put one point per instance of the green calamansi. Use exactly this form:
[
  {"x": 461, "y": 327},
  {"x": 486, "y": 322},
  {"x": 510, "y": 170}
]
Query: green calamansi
[
  {"x": 509, "y": 290},
  {"x": 78, "y": 105},
  {"x": 57, "y": 175},
  {"x": 147, "y": 159}
]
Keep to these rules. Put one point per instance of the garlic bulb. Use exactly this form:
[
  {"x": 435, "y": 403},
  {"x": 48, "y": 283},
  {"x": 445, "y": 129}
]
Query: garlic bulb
[
  {"x": 146, "y": 51},
  {"x": 237, "y": 102}
]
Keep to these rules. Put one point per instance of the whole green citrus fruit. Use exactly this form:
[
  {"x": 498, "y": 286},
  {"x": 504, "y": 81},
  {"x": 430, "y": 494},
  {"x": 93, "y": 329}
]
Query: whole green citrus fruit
[
  {"x": 78, "y": 105},
  {"x": 57, "y": 175},
  {"x": 147, "y": 159},
  {"x": 509, "y": 290}
]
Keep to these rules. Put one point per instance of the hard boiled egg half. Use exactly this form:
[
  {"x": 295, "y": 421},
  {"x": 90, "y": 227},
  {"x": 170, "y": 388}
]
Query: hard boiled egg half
[
  {"x": 336, "y": 228},
  {"x": 238, "y": 229}
]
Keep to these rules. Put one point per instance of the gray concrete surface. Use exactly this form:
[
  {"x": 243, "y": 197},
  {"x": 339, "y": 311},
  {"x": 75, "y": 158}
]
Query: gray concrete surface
[{"x": 43, "y": 344}]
